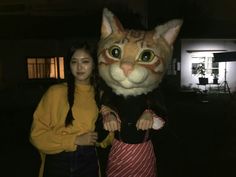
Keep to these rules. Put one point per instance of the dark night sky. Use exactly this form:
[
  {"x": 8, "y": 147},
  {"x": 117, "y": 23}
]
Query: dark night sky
[{"x": 40, "y": 18}]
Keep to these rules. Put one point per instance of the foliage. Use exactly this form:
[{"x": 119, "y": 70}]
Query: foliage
[
  {"x": 215, "y": 73},
  {"x": 200, "y": 69}
]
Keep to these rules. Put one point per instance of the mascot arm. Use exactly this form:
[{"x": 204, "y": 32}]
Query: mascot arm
[
  {"x": 111, "y": 120},
  {"x": 105, "y": 138},
  {"x": 106, "y": 110},
  {"x": 156, "y": 105},
  {"x": 158, "y": 122}
]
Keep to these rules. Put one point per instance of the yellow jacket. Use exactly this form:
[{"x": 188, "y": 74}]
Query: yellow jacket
[{"x": 48, "y": 132}]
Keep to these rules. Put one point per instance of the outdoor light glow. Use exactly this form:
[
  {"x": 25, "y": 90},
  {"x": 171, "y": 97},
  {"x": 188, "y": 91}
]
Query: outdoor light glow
[
  {"x": 197, "y": 52},
  {"x": 201, "y": 54}
]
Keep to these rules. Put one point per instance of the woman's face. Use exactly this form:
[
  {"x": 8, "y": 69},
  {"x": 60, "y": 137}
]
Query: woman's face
[{"x": 81, "y": 65}]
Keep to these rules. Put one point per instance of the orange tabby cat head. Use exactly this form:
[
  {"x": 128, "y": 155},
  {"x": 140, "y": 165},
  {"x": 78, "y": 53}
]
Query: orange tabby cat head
[{"x": 133, "y": 62}]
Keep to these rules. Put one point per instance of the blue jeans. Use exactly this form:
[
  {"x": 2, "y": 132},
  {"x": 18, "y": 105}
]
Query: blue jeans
[{"x": 81, "y": 163}]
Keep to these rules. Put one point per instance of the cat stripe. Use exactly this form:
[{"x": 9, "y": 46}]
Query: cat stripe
[{"x": 131, "y": 160}]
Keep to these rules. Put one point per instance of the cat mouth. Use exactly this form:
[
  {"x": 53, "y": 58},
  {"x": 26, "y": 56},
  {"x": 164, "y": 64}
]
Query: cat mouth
[
  {"x": 138, "y": 76},
  {"x": 127, "y": 84},
  {"x": 134, "y": 81}
]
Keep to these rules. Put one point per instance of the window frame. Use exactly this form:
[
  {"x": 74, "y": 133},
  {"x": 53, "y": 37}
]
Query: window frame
[{"x": 58, "y": 66}]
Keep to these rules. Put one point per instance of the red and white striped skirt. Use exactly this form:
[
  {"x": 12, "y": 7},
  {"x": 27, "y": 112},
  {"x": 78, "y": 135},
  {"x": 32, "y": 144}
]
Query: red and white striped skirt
[{"x": 131, "y": 160}]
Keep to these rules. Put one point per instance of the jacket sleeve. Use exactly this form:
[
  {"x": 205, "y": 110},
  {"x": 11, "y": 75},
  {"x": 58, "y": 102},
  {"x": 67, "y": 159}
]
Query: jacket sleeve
[
  {"x": 156, "y": 103},
  {"x": 44, "y": 136}
]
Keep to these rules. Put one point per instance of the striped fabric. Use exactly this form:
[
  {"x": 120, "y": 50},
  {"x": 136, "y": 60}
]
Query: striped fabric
[{"x": 131, "y": 160}]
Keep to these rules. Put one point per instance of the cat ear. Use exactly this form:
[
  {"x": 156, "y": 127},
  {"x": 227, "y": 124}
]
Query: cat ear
[
  {"x": 110, "y": 24},
  {"x": 169, "y": 31}
]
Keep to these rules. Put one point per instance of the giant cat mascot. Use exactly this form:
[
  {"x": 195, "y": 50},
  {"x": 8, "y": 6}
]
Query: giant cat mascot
[{"x": 132, "y": 64}]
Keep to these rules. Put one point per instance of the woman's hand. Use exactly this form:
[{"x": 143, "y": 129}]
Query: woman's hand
[{"x": 86, "y": 139}]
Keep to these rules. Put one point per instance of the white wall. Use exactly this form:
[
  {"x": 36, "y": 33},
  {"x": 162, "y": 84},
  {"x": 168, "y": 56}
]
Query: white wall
[{"x": 223, "y": 45}]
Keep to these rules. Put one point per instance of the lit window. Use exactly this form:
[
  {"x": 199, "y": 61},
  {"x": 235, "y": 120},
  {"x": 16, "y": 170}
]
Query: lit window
[
  {"x": 45, "y": 68},
  {"x": 204, "y": 60}
]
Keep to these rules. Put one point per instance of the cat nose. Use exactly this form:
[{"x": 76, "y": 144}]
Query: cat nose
[{"x": 127, "y": 67}]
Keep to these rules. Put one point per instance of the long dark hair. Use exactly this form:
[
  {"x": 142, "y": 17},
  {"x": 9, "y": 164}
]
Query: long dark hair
[{"x": 71, "y": 80}]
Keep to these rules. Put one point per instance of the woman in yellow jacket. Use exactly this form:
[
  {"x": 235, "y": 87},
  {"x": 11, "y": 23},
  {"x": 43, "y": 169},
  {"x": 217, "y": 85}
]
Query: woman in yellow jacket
[{"x": 63, "y": 127}]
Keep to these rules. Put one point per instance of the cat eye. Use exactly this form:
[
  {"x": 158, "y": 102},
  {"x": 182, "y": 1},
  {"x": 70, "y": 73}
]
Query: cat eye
[
  {"x": 115, "y": 51},
  {"x": 146, "y": 56}
]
